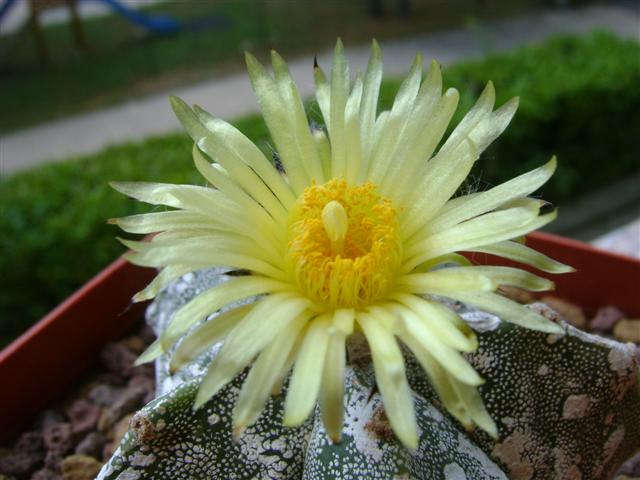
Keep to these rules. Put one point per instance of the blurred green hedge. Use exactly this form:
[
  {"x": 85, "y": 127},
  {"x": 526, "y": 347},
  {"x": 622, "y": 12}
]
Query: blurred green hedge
[{"x": 579, "y": 99}]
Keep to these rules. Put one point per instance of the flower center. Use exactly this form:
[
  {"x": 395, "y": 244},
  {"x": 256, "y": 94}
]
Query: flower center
[{"x": 343, "y": 243}]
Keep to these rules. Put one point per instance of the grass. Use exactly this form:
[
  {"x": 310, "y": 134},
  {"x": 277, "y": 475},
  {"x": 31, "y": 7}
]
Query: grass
[
  {"x": 579, "y": 100},
  {"x": 124, "y": 62}
]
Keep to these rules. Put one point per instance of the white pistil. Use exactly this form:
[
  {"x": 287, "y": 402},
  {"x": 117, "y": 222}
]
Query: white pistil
[{"x": 335, "y": 222}]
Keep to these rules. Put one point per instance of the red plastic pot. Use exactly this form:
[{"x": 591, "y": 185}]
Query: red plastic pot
[{"x": 48, "y": 358}]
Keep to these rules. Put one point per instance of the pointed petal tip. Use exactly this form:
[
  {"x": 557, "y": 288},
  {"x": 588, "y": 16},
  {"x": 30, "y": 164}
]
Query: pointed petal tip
[
  {"x": 238, "y": 431},
  {"x": 335, "y": 437}
]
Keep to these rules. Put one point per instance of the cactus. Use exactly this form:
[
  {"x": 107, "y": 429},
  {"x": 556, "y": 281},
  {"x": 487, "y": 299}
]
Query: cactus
[{"x": 565, "y": 406}]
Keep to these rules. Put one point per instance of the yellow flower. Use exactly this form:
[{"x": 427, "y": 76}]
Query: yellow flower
[{"x": 346, "y": 239}]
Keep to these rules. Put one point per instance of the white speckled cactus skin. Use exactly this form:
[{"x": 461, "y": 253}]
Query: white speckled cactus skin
[{"x": 566, "y": 408}]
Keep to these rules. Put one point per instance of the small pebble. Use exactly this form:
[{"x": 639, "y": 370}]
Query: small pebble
[
  {"x": 118, "y": 359},
  {"x": 46, "y": 474},
  {"x": 569, "y": 312},
  {"x": 80, "y": 467},
  {"x": 134, "y": 343},
  {"x": 83, "y": 416},
  {"x": 20, "y": 464},
  {"x": 605, "y": 318},
  {"x": 104, "y": 395},
  {"x": 58, "y": 438},
  {"x": 92, "y": 445},
  {"x": 627, "y": 330},
  {"x": 518, "y": 294}
]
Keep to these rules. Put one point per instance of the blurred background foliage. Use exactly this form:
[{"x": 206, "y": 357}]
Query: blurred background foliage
[
  {"x": 579, "y": 100},
  {"x": 124, "y": 61}
]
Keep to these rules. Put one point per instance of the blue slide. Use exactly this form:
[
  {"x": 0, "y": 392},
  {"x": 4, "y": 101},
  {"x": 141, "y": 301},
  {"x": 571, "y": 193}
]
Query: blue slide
[{"x": 154, "y": 23}]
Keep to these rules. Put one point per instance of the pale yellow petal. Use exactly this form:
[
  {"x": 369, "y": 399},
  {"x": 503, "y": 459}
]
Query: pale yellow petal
[
  {"x": 271, "y": 317},
  {"x": 259, "y": 383},
  {"x": 206, "y": 335},
  {"x": 307, "y": 372},
  {"x": 391, "y": 380},
  {"x": 508, "y": 311}
]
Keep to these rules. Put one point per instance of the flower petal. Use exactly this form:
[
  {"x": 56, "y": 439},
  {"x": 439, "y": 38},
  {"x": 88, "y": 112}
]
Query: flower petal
[
  {"x": 447, "y": 279},
  {"x": 489, "y": 228},
  {"x": 513, "y": 277},
  {"x": 508, "y": 311},
  {"x": 307, "y": 372},
  {"x": 469, "y": 206},
  {"x": 339, "y": 95},
  {"x": 391, "y": 379},
  {"x": 263, "y": 375},
  {"x": 210, "y": 301},
  {"x": 270, "y": 317},
  {"x": 246, "y": 150},
  {"x": 369, "y": 101},
  {"x": 449, "y": 358},
  {"x": 443, "y": 323},
  {"x": 206, "y": 335},
  {"x": 521, "y": 253},
  {"x": 331, "y": 395},
  {"x": 277, "y": 117}
]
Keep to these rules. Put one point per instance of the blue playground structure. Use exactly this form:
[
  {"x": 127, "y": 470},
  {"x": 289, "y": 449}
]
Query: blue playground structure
[{"x": 156, "y": 23}]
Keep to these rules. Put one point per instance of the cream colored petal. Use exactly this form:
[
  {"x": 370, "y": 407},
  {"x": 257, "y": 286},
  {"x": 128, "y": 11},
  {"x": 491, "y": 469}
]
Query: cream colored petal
[
  {"x": 369, "y": 102},
  {"x": 441, "y": 260},
  {"x": 440, "y": 380},
  {"x": 307, "y": 372},
  {"x": 448, "y": 279},
  {"x": 449, "y": 358},
  {"x": 442, "y": 322},
  {"x": 166, "y": 275},
  {"x": 244, "y": 176},
  {"x": 206, "y": 335},
  {"x": 427, "y": 131},
  {"x": 353, "y": 168},
  {"x": 259, "y": 383},
  {"x": 442, "y": 176},
  {"x": 446, "y": 171},
  {"x": 278, "y": 120},
  {"x": 513, "y": 277},
  {"x": 486, "y": 229},
  {"x": 391, "y": 380},
  {"x": 213, "y": 249},
  {"x": 323, "y": 95},
  {"x": 472, "y": 401},
  {"x": 339, "y": 95},
  {"x": 252, "y": 211},
  {"x": 272, "y": 316},
  {"x": 160, "y": 221},
  {"x": 152, "y": 352},
  {"x": 331, "y": 395},
  {"x": 187, "y": 197},
  {"x": 469, "y": 206},
  {"x": 518, "y": 252},
  {"x": 249, "y": 153},
  {"x": 387, "y": 140},
  {"x": 214, "y": 299},
  {"x": 508, "y": 311},
  {"x": 324, "y": 150},
  {"x": 461, "y": 400},
  {"x": 298, "y": 122}
]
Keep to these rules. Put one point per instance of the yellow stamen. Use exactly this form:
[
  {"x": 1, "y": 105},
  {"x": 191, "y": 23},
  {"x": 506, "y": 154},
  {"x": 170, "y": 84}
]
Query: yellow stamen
[{"x": 344, "y": 248}]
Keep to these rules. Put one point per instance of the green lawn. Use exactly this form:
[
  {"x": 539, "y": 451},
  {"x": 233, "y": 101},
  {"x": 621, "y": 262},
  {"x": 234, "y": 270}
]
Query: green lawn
[
  {"x": 126, "y": 62},
  {"x": 579, "y": 100}
]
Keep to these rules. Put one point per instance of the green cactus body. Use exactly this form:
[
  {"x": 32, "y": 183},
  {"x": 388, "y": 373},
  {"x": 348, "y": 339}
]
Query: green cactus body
[{"x": 567, "y": 407}]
